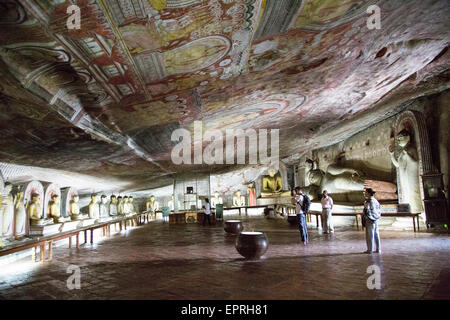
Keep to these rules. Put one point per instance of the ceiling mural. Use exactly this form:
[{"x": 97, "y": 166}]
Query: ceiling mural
[{"x": 107, "y": 96}]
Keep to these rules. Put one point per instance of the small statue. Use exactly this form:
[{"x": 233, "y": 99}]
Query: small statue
[
  {"x": 103, "y": 207},
  {"x": 94, "y": 209},
  {"x": 55, "y": 210},
  {"x": 120, "y": 206},
  {"x": 216, "y": 200},
  {"x": 152, "y": 205},
  {"x": 21, "y": 214},
  {"x": 131, "y": 207},
  {"x": 238, "y": 199},
  {"x": 251, "y": 194},
  {"x": 407, "y": 165},
  {"x": 75, "y": 209},
  {"x": 35, "y": 212},
  {"x": 113, "y": 206},
  {"x": 7, "y": 211},
  {"x": 272, "y": 185},
  {"x": 171, "y": 204}
]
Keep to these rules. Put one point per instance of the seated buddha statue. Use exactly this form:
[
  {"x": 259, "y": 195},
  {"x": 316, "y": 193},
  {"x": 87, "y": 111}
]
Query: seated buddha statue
[
  {"x": 55, "y": 210},
  {"x": 238, "y": 199},
  {"x": 112, "y": 206},
  {"x": 152, "y": 205},
  {"x": 94, "y": 209},
  {"x": 272, "y": 185},
  {"x": 126, "y": 206},
  {"x": 171, "y": 204},
  {"x": 131, "y": 207},
  {"x": 216, "y": 200},
  {"x": 120, "y": 206},
  {"x": 75, "y": 209},
  {"x": 103, "y": 207},
  {"x": 35, "y": 212}
]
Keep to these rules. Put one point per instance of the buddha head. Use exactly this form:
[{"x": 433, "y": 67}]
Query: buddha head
[
  {"x": 238, "y": 193},
  {"x": 75, "y": 198},
  {"x": 130, "y": 199},
  {"x": 216, "y": 194},
  {"x": 315, "y": 177},
  {"x": 113, "y": 199},
  {"x": 94, "y": 198},
  {"x": 152, "y": 198},
  {"x": 35, "y": 197},
  {"x": 8, "y": 188},
  {"x": 119, "y": 199},
  {"x": 19, "y": 196},
  {"x": 125, "y": 199},
  {"x": 271, "y": 172},
  {"x": 103, "y": 199},
  {"x": 55, "y": 199},
  {"x": 403, "y": 138}
]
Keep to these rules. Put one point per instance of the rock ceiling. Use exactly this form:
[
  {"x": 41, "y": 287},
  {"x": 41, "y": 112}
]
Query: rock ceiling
[{"x": 105, "y": 98}]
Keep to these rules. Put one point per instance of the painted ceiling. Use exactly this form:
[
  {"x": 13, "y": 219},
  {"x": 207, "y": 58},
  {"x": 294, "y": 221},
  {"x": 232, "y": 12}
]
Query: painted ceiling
[{"x": 104, "y": 99}]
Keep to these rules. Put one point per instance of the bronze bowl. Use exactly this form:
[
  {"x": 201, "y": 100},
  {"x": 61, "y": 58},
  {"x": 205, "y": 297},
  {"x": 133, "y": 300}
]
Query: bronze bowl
[
  {"x": 233, "y": 226},
  {"x": 252, "y": 245}
]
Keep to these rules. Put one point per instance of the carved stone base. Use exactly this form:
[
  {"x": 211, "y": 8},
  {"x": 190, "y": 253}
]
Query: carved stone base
[
  {"x": 274, "y": 200},
  {"x": 87, "y": 222},
  {"x": 69, "y": 226},
  {"x": 45, "y": 230}
]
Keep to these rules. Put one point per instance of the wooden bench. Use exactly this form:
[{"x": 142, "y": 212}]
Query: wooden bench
[{"x": 414, "y": 216}]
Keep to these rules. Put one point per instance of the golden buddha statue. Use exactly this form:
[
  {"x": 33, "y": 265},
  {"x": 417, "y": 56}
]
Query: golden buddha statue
[
  {"x": 272, "y": 185},
  {"x": 55, "y": 210},
  {"x": 120, "y": 205},
  {"x": 238, "y": 199},
  {"x": 94, "y": 209},
  {"x": 75, "y": 209},
  {"x": 35, "y": 212}
]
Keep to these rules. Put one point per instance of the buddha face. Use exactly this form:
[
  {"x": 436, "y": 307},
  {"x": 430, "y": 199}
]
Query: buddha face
[
  {"x": 403, "y": 139},
  {"x": 238, "y": 193},
  {"x": 19, "y": 196},
  {"x": 94, "y": 199},
  {"x": 315, "y": 178},
  {"x": 104, "y": 200},
  {"x": 113, "y": 200},
  {"x": 152, "y": 198},
  {"x": 216, "y": 194},
  {"x": 130, "y": 200},
  {"x": 55, "y": 199},
  {"x": 35, "y": 199},
  {"x": 76, "y": 199},
  {"x": 271, "y": 172}
]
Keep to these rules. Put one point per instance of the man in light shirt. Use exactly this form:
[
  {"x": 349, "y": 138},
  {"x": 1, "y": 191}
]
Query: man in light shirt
[
  {"x": 207, "y": 208},
  {"x": 302, "y": 204},
  {"x": 327, "y": 207}
]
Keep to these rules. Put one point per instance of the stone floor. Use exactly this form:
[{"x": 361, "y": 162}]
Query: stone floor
[{"x": 162, "y": 261}]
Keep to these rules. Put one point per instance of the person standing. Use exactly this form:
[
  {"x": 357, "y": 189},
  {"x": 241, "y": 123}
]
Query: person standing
[
  {"x": 372, "y": 212},
  {"x": 207, "y": 212},
  {"x": 327, "y": 207},
  {"x": 302, "y": 204}
]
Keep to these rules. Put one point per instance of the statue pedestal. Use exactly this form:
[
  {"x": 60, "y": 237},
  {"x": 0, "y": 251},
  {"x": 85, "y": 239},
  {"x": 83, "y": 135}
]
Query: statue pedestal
[
  {"x": 69, "y": 226},
  {"x": 273, "y": 200},
  {"x": 86, "y": 222},
  {"x": 105, "y": 219},
  {"x": 45, "y": 230}
]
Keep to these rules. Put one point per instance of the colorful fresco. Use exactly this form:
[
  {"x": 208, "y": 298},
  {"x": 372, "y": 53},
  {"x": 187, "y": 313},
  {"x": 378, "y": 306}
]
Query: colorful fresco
[{"x": 140, "y": 68}]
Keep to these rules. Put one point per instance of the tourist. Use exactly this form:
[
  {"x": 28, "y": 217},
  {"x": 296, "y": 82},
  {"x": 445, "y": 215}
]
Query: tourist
[
  {"x": 207, "y": 208},
  {"x": 372, "y": 212},
  {"x": 302, "y": 203},
  {"x": 327, "y": 207}
]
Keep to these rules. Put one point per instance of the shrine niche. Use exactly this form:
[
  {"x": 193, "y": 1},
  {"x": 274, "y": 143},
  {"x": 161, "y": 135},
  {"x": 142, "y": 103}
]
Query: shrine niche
[
  {"x": 411, "y": 154},
  {"x": 50, "y": 189},
  {"x": 67, "y": 197}
]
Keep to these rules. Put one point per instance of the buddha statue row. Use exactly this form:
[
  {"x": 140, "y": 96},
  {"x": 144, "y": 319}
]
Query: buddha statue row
[{"x": 117, "y": 206}]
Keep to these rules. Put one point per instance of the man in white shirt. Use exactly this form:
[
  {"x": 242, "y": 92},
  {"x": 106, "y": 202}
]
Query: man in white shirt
[
  {"x": 327, "y": 207},
  {"x": 207, "y": 207}
]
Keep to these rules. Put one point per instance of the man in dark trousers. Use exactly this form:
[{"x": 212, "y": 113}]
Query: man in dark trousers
[{"x": 302, "y": 204}]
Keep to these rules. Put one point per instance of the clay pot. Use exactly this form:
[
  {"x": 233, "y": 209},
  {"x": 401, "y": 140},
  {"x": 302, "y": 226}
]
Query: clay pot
[
  {"x": 252, "y": 245},
  {"x": 233, "y": 226},
  {"x": 293, "y": 220}
]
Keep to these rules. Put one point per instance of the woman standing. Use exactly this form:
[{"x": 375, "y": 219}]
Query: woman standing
[{"x": 372, "y": 212}]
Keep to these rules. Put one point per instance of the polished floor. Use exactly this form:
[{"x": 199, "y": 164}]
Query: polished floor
[{"x": 162, "y": 261}]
